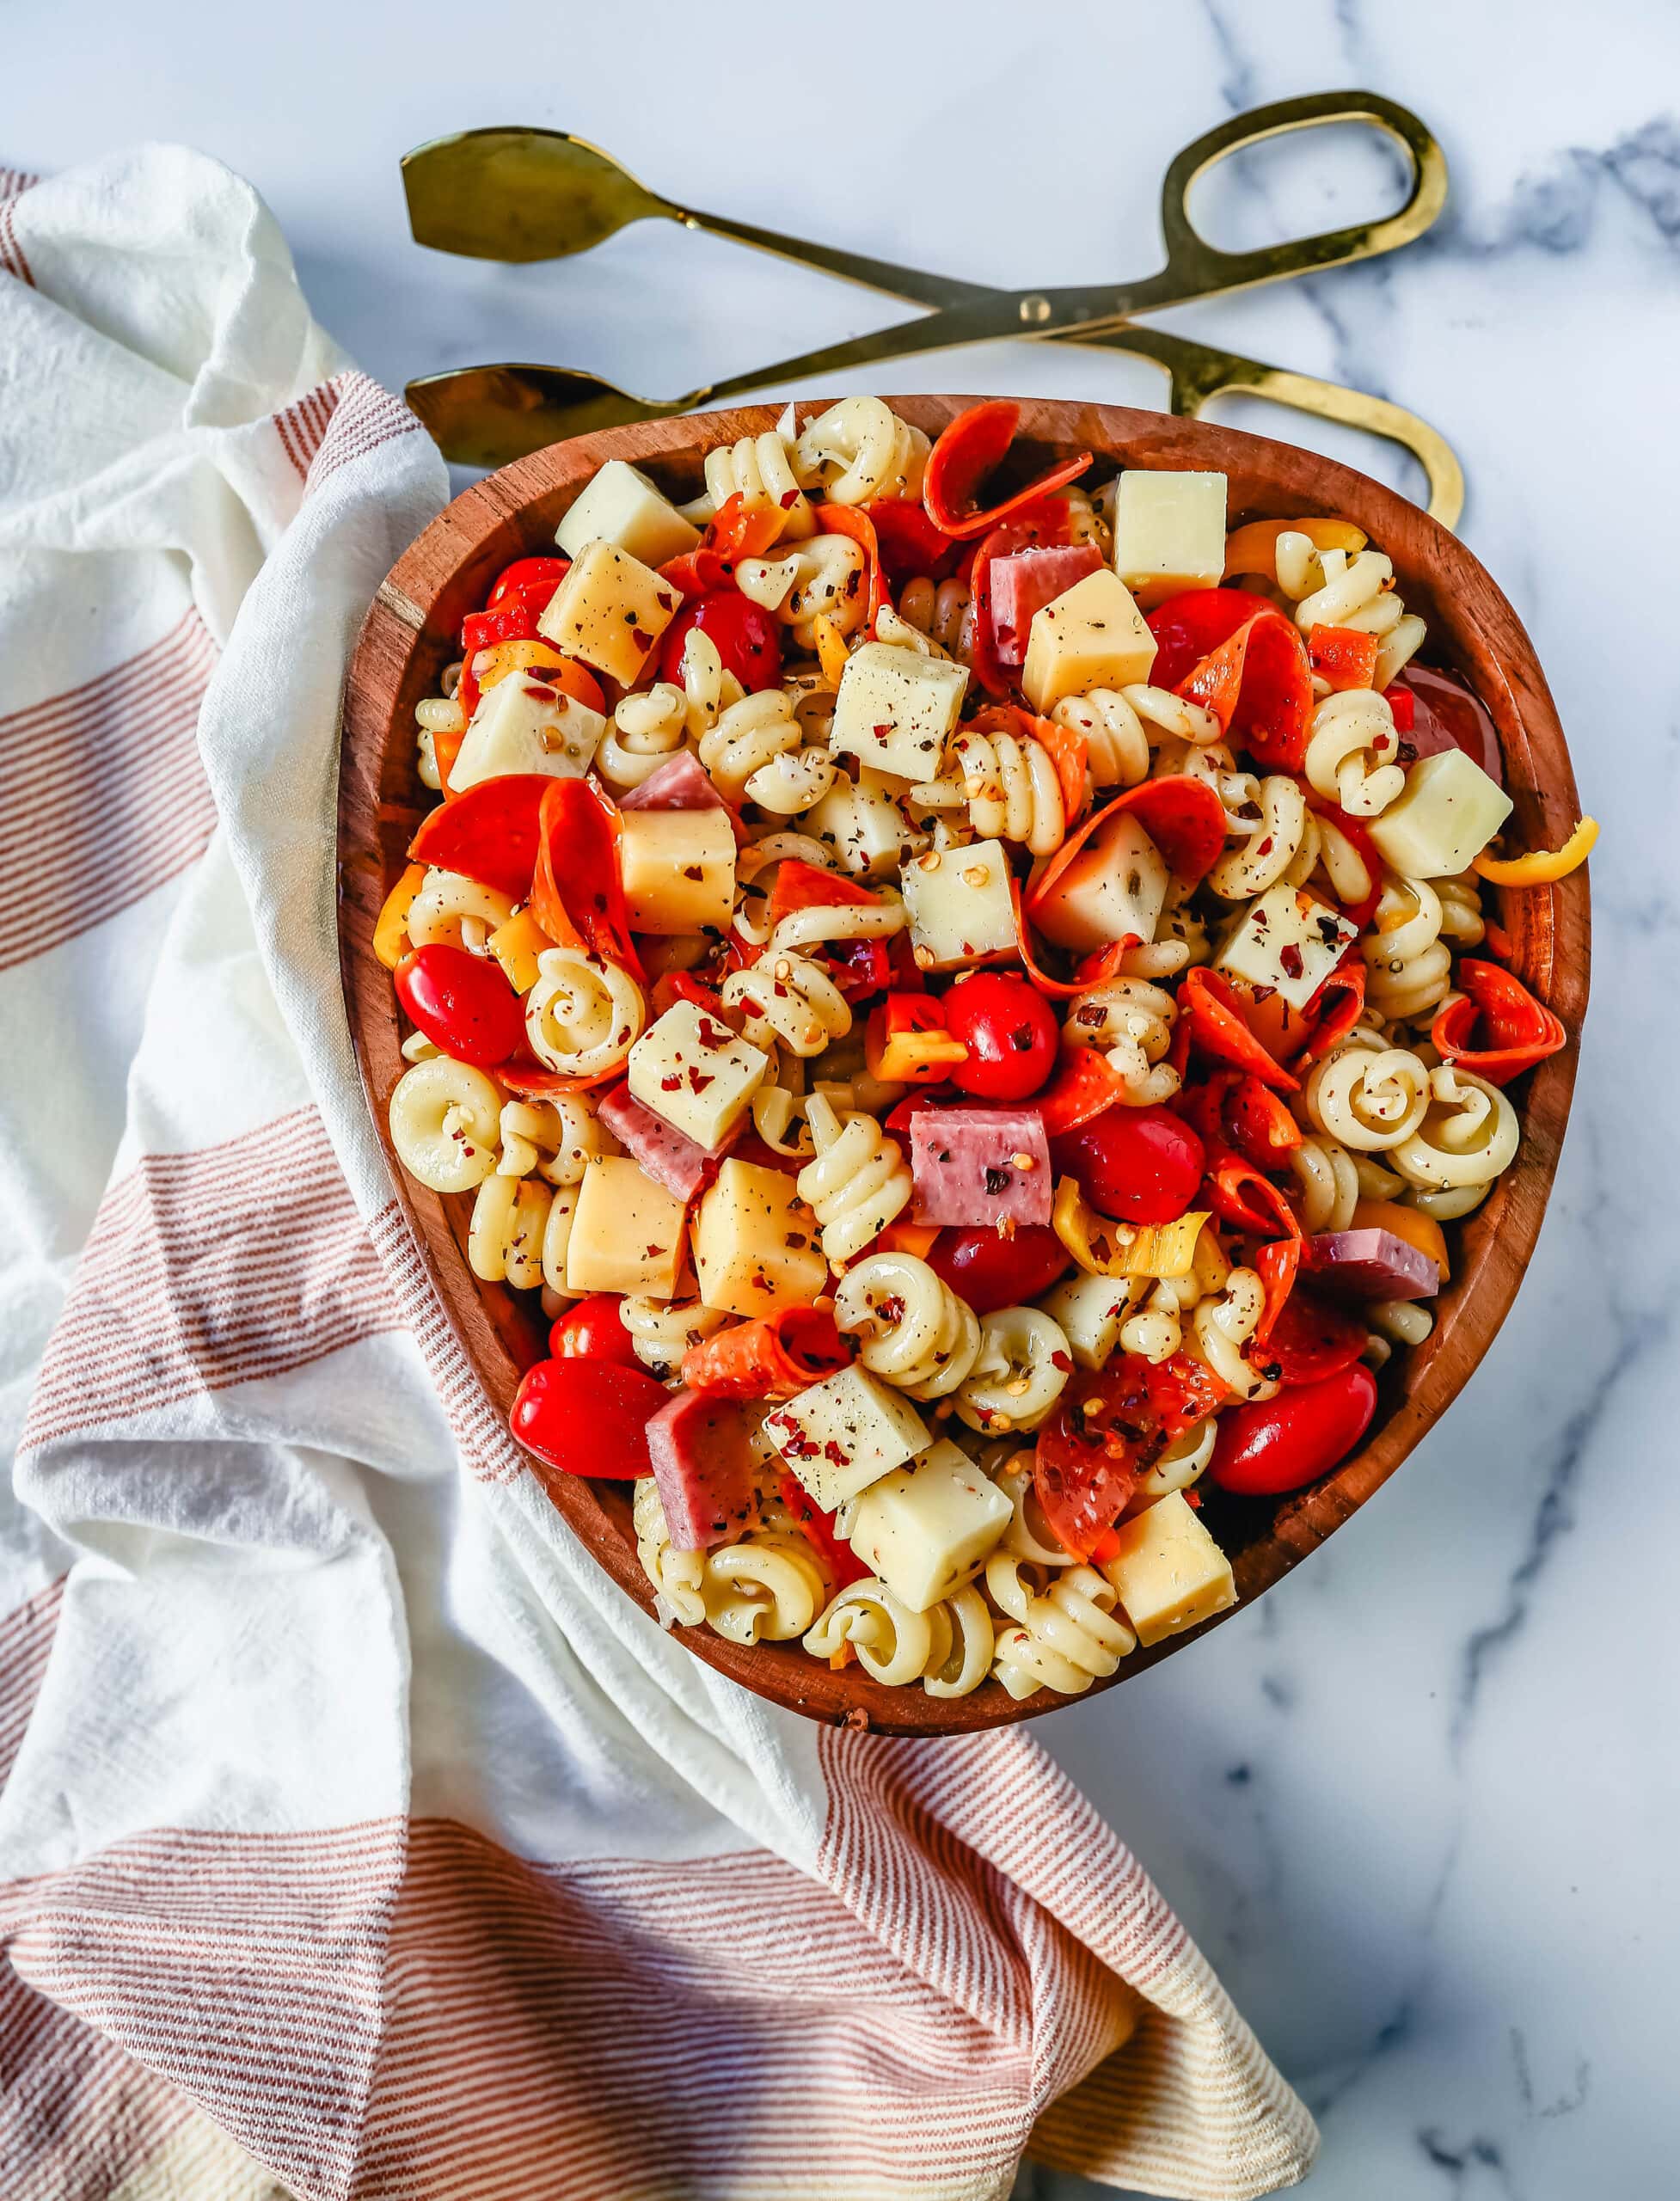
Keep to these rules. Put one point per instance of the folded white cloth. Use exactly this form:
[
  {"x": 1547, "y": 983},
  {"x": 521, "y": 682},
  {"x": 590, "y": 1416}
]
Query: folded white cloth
[{"x": 354, "y": 1825}]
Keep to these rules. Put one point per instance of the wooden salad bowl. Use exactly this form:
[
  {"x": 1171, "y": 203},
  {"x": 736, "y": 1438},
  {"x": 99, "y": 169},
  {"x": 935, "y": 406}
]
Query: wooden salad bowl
[{"x": 410, "y": 634}]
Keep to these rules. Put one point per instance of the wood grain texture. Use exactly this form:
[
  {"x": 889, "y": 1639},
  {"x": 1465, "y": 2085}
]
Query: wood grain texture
[{"x": 410, "y": 634}]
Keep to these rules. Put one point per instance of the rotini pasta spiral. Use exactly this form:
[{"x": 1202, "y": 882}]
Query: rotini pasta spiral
[
  {"x": 1271, "y": 845},
  {"x": 1155, "y": 1330},
  {"x": 1132, "y": 1021},
  {"x": 1122, "y": 725},
  {"x": 708, "y": 689},
  {"x": 1408, "y": 967},
  {"x": 1328, "y": 1183},
  {"x": 1065, "y": 1636},
  {"x": 647, "y": 728},
  {"x": 1184, "y": 1462},
  {"x": 765, "y": 1587},
  {"x": 789, "y": 998},
  {"x": 820, "y": 923},
  {"x": 452, "y": 911},
  {"x": 1028, "y": 1535},
  {"x": 557, "y": 1239},
  {"x": 860, "y": 449},
  {"x": 445, "y": 1119},
  {"x": 1334, "y": 589},
  {"x": 1466, "y": 1135},
  {"x": 583, "y": 1014},
  {"x": 823, "y": 579},
  {"x": 661, "y": 1332},
  {"x": 1011, "y": 789},
  {"x": 915, "y": 1331},
  {"x": 1368, "y": 1097},
  {"x": 947, "y": 1649},
  {"x": 1224, "y": 1324},
  {"x": 759, "y": 470},
  {"x": 1392, "y": 1322},
  {"x": 1351, "y": 748},
  {"x": 557, "y": 1139},
  {"x": 678, "y": 1577},
  {"x": 859, "y": 1181},
  {"x": 1019, "y": 1373},
  {"x": 940, "y": 612},
  {"x": 504, "y": 1243}
]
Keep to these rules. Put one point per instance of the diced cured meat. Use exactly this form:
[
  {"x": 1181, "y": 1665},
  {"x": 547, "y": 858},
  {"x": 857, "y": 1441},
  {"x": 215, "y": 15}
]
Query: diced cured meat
[
  {"x": 980, "y": 1165},
  {"x": 1024, "y": 583},
  {"x": 670, "y": 1157},
  {"x": 680, "y": 784},
  {"x": 1372, "y": 1265},
  {"x": 703, "y": 1465}
]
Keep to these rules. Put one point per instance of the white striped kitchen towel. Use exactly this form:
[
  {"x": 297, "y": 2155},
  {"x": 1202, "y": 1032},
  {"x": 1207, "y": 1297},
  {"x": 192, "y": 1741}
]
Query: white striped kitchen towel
[{"x": 358, "y": 1838}]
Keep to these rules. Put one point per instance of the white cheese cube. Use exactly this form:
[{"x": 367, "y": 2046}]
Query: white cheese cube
[
  {"x": 959, "y": 905},
  {"x": 755, "y": 1243},
  {"x": 622, "y": 506},
  {"x": 522, "y": 724},
  {"x": 609, "y": 611},
  {"x": 1088, "y": 1310},
  {"x": 1092, "y": 635},
  {"x": 895, "y": 709},
  {"x": 695, "y": 1074},
  {"x": 926, "y": 1529},
  {"x": 1450, "y": 810},
  {"x": 679, "y": 869},
  {"x": 1168, "y": 1573},
  {"x": 844, "y": 1433},
  {"x": 1169, "y": 533},
  {"x": 1287, "y": 940},
  {"x": 627, "y": 1233},
  {"x": 861, "y": 823},
  {"x": 1114, "y": 889}
]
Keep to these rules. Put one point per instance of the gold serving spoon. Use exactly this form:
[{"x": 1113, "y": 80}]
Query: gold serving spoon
[{"x": 520, "y": 195}]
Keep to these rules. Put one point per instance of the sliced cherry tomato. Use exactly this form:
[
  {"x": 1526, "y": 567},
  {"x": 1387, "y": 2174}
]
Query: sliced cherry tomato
[
  {"x": 489, "y": 832},
  {"x": 587, "y": 1417},
  {"x": 989, "y": 1271},
  {"x": 965, "y": 453},
  {"x": 462, "y": 1003},
  {"x": 1106, "y": 1428},
  {"x": 1139, "y": 1165},
  {"x": 533, "y": 580},
  {"x": 1280, "y": 1444},
  {"x": 1313, "y": 1338},
  {"x": 746, "y": 636},
  {"x": 594, "y": 1330},
  {"x": 912, "y": 547},
  {"x": 1009, "y": 1030},
  {"x": 1495, "y": 1029},
  {"x": 842, "y": 1562}
]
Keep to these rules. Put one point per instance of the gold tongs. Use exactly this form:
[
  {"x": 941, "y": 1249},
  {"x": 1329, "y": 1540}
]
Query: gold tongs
[{"x": 521, "y": 195}]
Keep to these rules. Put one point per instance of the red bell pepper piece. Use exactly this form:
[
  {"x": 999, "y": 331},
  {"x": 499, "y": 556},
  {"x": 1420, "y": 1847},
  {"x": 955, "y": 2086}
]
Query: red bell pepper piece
[
  {"x": 841, "y": 1560},
  {"x": 1084, "y": 1086},
  {"x": 533, "y": 580},
  {"x": 1278, "y": 1264},
  {"x": 699, "y": 572},
  {"x": 742, "y": 530},
  {"x": 910, "y": 547},
  {"x": 1355, "y": 831},
  {"x": 1047, "y": 520},
  {"x": 1515, "y": 1030},
  {"x": 770, "y": 1359},
  {"x": 576, "y": 894},
  {"x": 1243, "y": 1196},
  {"x": 858, "y": 967},
  {"x": 1344, "y": 656},
  {"x": 489, "y": 832},
  {"x": 1212, "y": 1008},
  {"x": 967, "y": 452},
  {"x": 1403, "y": 704},
  {"x": 1336, "y": 1006},
  {"x": 1261, "y": 1128},
  {"x": 672, "y": 986},
  {"x": 850, "y": 519}
]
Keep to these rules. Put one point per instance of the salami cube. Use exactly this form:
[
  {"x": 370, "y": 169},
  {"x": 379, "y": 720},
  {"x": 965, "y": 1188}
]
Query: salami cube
[
  {"x": 703, "y": 1465},
  {"x": 1372, "y": 1265},
  {"x": 980, "y": 1165},
  {"x": 1024, "y": 583}
]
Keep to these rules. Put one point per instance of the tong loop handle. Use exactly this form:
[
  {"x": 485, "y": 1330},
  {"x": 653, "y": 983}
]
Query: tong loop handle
[{"x": 1197, "y": 268}]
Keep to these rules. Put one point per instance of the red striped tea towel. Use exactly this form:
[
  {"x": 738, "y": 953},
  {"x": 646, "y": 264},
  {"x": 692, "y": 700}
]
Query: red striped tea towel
[{"x": 358, "y": 1838}]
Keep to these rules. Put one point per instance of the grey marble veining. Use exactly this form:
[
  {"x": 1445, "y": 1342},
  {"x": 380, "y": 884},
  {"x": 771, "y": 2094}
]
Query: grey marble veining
[{"x": 1421, "y": 1805}]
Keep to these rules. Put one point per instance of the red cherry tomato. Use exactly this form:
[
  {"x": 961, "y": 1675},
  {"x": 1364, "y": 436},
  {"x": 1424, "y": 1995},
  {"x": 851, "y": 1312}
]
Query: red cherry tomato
[
  {"x": 462, "y": 1003},
  {"x": 1009, "y": 1030},
  {"x": 587, "y": 1417},
  {"x": 533, "y": 580},
  {"x": 989, "y": 1271},
  {"x": 1313, "y": 1338},
  {"x": 1282, "y": 1443},
  {"x": 1139, "y": 1165},
  {"x": 594, "y": 1330},
  {"x": 749, "y": 640}
]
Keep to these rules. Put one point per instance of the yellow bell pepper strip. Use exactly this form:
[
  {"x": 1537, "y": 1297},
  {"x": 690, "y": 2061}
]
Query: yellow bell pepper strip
[
  {"x": 391, "y": 930},
  {"x": 904, "y": 1042},
  {"x": 832, "y": 654},
  {"x": 1418, "y": 1230},
  {"x": 1541, "y": 867},
  {"x": 496, "y": 663},
  {"x": 1102, "y": 1247},
  {"x": 1254, "y": 548},
  {"x": 516, "y": 946}
]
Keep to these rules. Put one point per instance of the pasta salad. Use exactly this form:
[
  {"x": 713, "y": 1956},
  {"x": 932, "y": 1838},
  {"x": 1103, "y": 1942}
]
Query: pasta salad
[{"x": 969, "y": 999}]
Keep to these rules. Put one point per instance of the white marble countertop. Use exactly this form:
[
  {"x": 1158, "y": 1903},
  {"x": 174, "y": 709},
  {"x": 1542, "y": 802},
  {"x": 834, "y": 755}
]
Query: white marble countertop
[{"x": 1420, "y": 1805}]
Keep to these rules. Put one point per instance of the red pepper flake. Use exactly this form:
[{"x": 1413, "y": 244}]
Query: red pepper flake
[
  {"x": 643, "y": 641},
  {"x": 1290, "y": 957},
  {"x": 672, "y": 1084},
  {"x": 835, "y": 1456},
  {"x": 789, "y": 499},
  {"x": 699, "y": 1079},
  {"x": 694, "y": 871},
  {"x": 1063, "y": 1361},
  {"x": 881, "y": 732},
  {"x": 715, "y": 1035},
  {"x": 665, "y": 603}
]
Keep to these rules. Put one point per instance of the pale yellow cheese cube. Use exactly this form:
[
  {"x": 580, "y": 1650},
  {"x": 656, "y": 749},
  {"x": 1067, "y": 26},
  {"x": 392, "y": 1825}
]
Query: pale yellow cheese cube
[
  {"x": 622, "y": 506},
  {"x": 1115, "y": 888},
  {"x": 627, "y": 1233},
  {"x": 844, "y": 1433},
  {"x": 1169, "y": 533},
  {"x": 679, "y": 869},
  {"x": 1092, "y": 635},
  {"x": 755, "y": 1243},
  {"x": 895, "y": 709},
  {"x": 522, "y": 725},
  {"x": 609, "y": 611},
  {"x": 695, "y": 1073},
  {"x": 1288, "y": 941},
  {"x": 926, "y": 1529},
  {"x": 959, "y": 905},
  {"x": 1168, "y": 1573},
  {"x": 1447, "y": 812}
]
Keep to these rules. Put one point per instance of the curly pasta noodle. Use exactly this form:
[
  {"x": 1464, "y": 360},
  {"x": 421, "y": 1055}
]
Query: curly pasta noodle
[
  {"x": 1224, "y": 1324},
  {"x": 556, "y": 1241},
  {"x": 1011, "y": 789},
  {"x": 1333, "y": 589},
  {"x": 1028, "y": 1535},
  {"x": 677, "y": 1576},
  {"x": 505, "y": 1242},
  {"x": 1392, "y": 1322},
  {"x": 648, "y": 728},
  {"x": 1132, "y": 1021},
  {"x": 940, "y": 612},
  {"x": 1368, "y": 1096},
  {"x": 789, "y": 998},
  {"x": 759, "y": 470},
  {"x": 767, "y": 1587},
  {"x": 1184, "y": 1462},
  {"x": 1123, "y": 725},
  {"x": 1326, "y": 1182},
  {"x": 947, "y": 1649},
  {"x": 708, "y": 689},
  {"x": 1066, "y": 1635},
  {"x": 445, "y": 1124},
  {"x": 816, "y": 926},
  {"x": 584, "y": 1014},
  {"x": 1155, "y": 1330},
  {"x": 556, "y": 1138},
  {"x": 661, "y": 1332},
  {"x": 858, "y": 1183},
  {"x": 914, "y": 1331},
  {"x": 823, "y": 579},
  {"x": 1090, "y": 519},
  {"x": 860, "y": 825},
  {"x": 859, "y": 450},
  {"x": 1281, "y": 840},
  {"x": 1461, "y": 920},
  {"x": 452, "y": 911},
  {"x": 1352, "y": 746},
  {"x": 1019, "y": 1373},
  {"x": 1466, "y": 1136},
  {"x": 1408, "y": 965}
]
